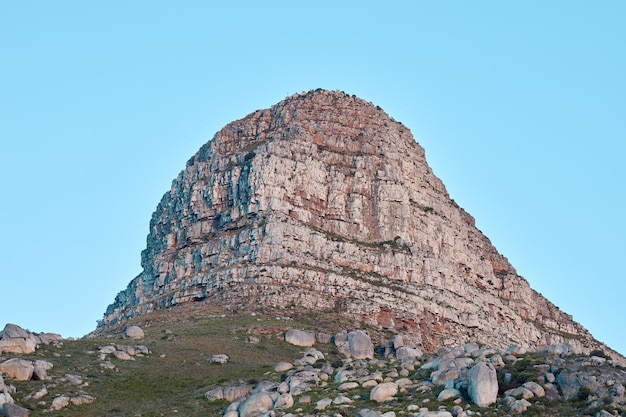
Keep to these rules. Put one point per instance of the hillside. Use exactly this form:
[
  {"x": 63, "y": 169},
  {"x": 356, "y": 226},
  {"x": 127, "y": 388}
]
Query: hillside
[{"x": 170, "y": 371}]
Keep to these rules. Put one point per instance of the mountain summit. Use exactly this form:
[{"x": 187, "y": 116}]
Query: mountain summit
[{"x": 325, "y": 203}]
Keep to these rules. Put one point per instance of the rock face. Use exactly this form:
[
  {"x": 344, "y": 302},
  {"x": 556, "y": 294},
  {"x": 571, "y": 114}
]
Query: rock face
[{"x": 324, "y": 202}]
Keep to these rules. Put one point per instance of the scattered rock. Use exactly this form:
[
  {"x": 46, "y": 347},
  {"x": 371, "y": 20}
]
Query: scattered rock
[
  {"x": 13, "y": 410},
  {"x": 134, "y": 332},
  {"x": 282, "y": 366},
  {"x": 19, "y": 369},
  {"x": 60, "y": 403},
  {"x": 384, "y": 391},
  {"x": 256, "y": 404},
  {"x": 219, "y": 358},
  {"x": 483, "y": 384},
  {"x": 299, "y": 337}
]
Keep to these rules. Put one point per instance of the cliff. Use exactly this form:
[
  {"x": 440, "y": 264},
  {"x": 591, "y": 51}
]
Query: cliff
[{"x": 324, "y": 202}]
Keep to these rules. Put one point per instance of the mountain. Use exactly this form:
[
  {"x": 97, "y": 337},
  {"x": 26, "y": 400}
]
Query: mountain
[{"x": 324, "y": 203}]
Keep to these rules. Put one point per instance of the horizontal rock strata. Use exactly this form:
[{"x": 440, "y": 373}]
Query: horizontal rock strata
[{"x": 324, "y": 202}]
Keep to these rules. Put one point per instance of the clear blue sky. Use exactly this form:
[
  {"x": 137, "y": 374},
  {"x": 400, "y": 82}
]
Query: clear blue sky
[{"x": 519, "y": 105}]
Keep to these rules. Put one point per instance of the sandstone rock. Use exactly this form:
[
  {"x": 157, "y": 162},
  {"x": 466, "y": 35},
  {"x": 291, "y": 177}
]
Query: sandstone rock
[
  {"x": 219, "y": 358},
  {"x": 407, "y": 353},
  {"x": 361, "y": 346},
  {"x": 19, "y": 369},
  {"x": 483, "y": 384},
  {"x": 299, "y": 337},
  {"x": 384, "y": 391},
  {"x": 342, "y": 399},
  {"x": 448, "y": 393},
  {"x": 284, "y": 401},
  {"x": 17, "y": 345},
  {"x": 5, "y": 397},
  {"x": 215, "y": 394},
  {"x": 256, "y": 404},
  {"x": 348, "y": 385},
  {"x": 121, "y": 355},
  {"x": 73, "y": 379},
  {"x": 439, "y": 413},
  {"x": 13, "y": 331},
  {"x": 519, "y": 406},
  {"x": 39, "y": 394},
  {"x": 134, "y": 332},
  {"x": 282, "y": 366},
  {"x": 13, "y": 410},
  {"x": 519, "y": 392},
  {"x": 81, "y": 399},
  {"x": 234, "y": 392},
  {"x": 41, "y": 368},
  {"x": 323, "y": 403},
  {"x": 366, "y": 412},
  {"x": 107, "y": 350},
  {"x": 60, "y": 403},
  {"x": 535, "y": 388}
]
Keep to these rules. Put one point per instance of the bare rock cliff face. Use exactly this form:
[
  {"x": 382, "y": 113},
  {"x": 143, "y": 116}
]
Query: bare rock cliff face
[{"x": 323, "y": 202}]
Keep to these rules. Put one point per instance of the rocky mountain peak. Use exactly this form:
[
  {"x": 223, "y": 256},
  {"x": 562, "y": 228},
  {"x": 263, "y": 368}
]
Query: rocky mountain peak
[{"x": 325, "y": 203}]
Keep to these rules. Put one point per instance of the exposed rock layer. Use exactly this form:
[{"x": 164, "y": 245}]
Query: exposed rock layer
[{"x": 325, "y": 202}]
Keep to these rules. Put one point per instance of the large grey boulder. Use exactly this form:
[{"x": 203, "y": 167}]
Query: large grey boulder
[
  {"x": 483, "y": 384},
  {"x": 405, "y": 352},
  {"x": 360, "y": 344},
  {"x": 13, "y": 331},
  {"x": 256, "y": 404},
  {"x": 134, "y": 332},
  {"x": 299, "y": 337},
  {"x": 13, "y": 410}
]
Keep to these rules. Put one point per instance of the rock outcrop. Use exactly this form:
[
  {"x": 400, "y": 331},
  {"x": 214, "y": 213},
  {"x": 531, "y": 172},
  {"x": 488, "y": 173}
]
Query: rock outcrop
[{"x": 324, "y": 202}]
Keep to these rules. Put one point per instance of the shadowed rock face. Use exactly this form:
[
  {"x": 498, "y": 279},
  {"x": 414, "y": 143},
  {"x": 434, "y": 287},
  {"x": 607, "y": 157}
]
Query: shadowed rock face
[{"x": 325, "y": 202}]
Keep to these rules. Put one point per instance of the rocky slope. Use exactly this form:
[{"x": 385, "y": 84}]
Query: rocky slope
[
  {"x": 194, "y": 362},
  {"x": 324, "y": 202}
]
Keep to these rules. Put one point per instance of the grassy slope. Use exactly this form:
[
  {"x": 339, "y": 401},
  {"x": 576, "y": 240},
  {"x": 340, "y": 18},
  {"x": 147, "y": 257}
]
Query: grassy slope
[{"x": 178, "y": 372}]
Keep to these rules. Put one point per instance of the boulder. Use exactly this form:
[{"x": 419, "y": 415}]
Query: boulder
[
  {"x": 448, "y": 393},
  {"x": 220, "y": 358},
  {"x": 483, "y": 384},
  {"x": 121, "y": 355},
  {"x": 360, "y": 344},
  {"x": 5, "y": 397},
  {"x": 405, "y": 352},
  {"x": 41, "y": 367},
  {"x": 60, "y": 403},
  {"x": 299, "y": 337},
  {"x": 233, "y": 392},
  {"x": 14, "y": 331},
  {"x": 366, "y": 412},
  {"x": 134, "y": 332},
  {"x": 19, "y": 369},
  {"x": 17, "y": 345},
  {"x": 73, "y": 379},
  {"x": 519, "y": 406},
  {"x": 535, "y": 388},
  {"x": 13, "y": 410},
  {"x": 215, "y": 394},
  {"x": 440, "y": 413},
  {"x": 384, "y": 391},
  {"x": 256, "y": 404},
  {"x": 284, "y": 401},
  {"x": 82, "y": 399},
  {"x": 282, "y": 366}
]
